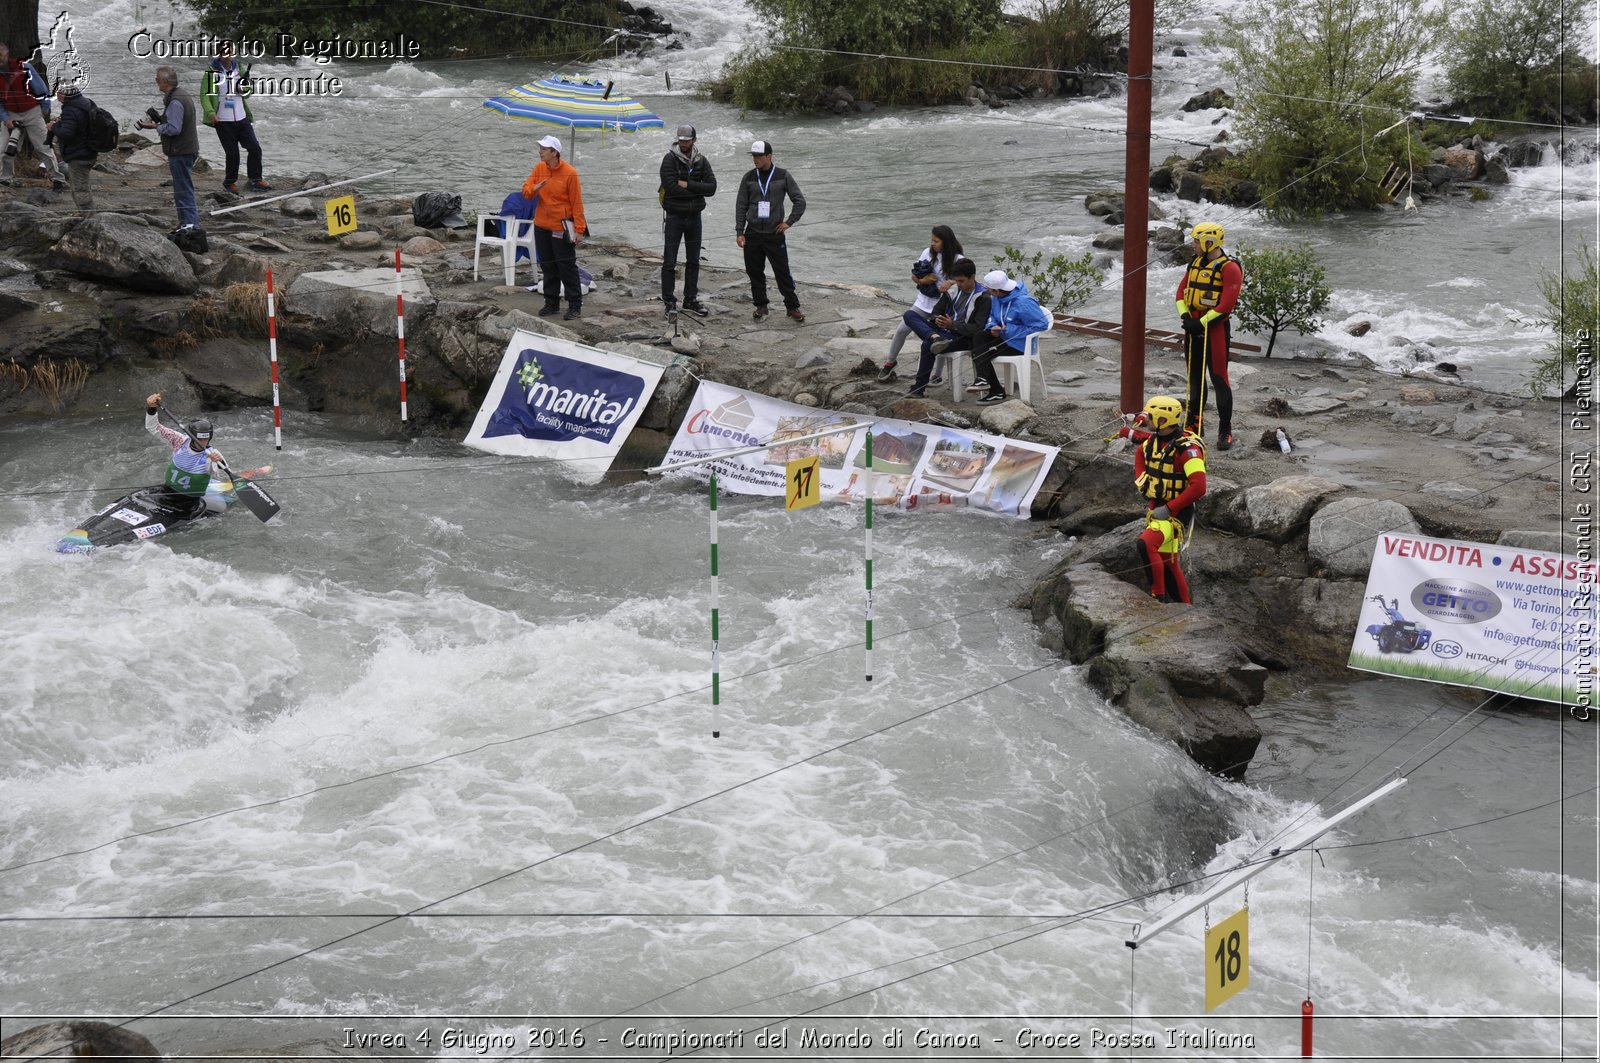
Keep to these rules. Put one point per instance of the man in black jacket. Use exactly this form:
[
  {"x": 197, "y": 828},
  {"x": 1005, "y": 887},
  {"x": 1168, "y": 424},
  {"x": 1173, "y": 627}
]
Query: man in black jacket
[
  {"x": 73, "y": 124},
  {"x": 759, "y": 222},
  {"x": 686, "y": 181}
]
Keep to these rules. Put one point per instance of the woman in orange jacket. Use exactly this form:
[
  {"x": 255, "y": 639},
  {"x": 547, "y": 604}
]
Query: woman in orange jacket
[{"x": 558, "y": 226}]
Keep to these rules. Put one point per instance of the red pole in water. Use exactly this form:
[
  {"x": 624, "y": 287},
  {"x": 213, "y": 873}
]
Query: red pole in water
[
  {"x": 400, "y": 329},
  {"x": 1136, "y": 202},
  {"x": 1305, "y": 1027}
]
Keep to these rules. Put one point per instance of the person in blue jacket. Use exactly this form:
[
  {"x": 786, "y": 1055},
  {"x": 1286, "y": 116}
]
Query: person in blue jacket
[{"x": 1014, "y": 315}]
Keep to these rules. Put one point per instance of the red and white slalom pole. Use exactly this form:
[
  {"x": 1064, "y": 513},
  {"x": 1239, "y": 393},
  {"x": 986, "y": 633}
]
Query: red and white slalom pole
[
  {"x": 400, "y": 329},
  {"x": 272, "y": 352}
]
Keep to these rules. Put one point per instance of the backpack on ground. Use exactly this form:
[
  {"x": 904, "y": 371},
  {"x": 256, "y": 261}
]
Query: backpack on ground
[
  {"x": 103, "y": 130},
  {"x": 433, "y": 210},
  {"x": 192, "y": 240}
]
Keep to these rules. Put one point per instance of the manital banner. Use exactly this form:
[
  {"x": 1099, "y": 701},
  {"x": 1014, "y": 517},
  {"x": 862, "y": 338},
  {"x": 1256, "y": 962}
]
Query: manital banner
[
  {"x": 913, "y": 464},
  {"x": 1493, "y": 617},
  {"x": 558, "y": 399}
]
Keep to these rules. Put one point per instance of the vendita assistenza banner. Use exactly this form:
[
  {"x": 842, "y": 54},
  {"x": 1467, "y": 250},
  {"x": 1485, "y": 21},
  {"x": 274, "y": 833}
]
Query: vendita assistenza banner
[{"x": 1492, "y": 617}]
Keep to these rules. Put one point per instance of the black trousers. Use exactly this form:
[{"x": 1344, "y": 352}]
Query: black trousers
[
  {"x": 233, "y": 134},
  {"x": 759, "y": 249},
  {"x": 986, "y": 347},
  {"x": 558, "y": 257},
  {"x": 687, "y": 228}
]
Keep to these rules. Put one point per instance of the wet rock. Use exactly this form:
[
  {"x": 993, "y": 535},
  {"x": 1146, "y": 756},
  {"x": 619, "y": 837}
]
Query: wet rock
[
  {"x": 421, "y": 245},
  {"x": 299, "y": 207},
  {"x": 1006, "y": 418},
  {"x": 1419, "y": 395},
  {"x": 1276, "y": 511},
  {"x": 80, "y": 1040},
  {"x": 117, "y": 248},
  {"x": 359, "y": 299},
  {"x": 1208, "y": 100},
  {"x": 1109, "y": 241},
  {"x": 686, "y": 343},
  {"x": 814, "y": 357},
  {"x": 1343, "y": 532},
  {"x": 1171, "y": 668},
  {"x": 1465, "y": 163},
  {"x": 1190, "y": 186},
  {"x": 360, "y": 241}
]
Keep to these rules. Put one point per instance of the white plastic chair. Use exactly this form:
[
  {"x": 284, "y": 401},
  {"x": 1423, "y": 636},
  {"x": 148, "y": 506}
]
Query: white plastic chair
[
  {"x": 1011, "y": 364},
  {"x": 518, "y": 234}
]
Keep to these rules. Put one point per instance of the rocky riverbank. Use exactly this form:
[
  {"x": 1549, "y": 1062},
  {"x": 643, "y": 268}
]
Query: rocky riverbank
[{"x": 98, "y": 311}]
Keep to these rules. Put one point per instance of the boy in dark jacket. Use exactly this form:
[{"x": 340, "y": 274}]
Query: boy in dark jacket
[
  {"x": 72, "y": 127},
  {"x": 958, "y": 318},
  {"x": 686, "y": 181}
]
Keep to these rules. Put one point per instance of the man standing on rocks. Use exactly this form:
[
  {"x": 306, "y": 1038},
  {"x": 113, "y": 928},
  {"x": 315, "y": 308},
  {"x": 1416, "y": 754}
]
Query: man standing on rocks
[
  {"x": 180, "y": 140},
  {"x": 1207, "y": 295},
  {"x": 1169, "y": 468},
  {"x": 686, "y": 181},
  {"x": 760, "y": 226},
  {"x": 223, "y": 92},
  {"x": 23, "y": 117},
  {"x": 73, "y": 125},
  {"x": 558, "y": 227}
]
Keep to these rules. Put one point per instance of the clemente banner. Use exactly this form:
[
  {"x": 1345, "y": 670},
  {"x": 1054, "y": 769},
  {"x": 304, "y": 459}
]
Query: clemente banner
[
  {"x": 1493, "y": 617},
  {"x": 913, "y": 464},
  {"x": 558, "y": 399}
]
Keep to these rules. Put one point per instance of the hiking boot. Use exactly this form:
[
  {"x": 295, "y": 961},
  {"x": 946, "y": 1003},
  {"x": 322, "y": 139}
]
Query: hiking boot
[
  {"x": 231, "y": 186},
  {"x": 549, "y": 308},
  {"x": 573, "y": 313},
  {"x": 260, "y": 186},
  {"x": 672, "y": 312},
  {"x": 759, "y": 313},
  {"x": 887, "y": 374},
  {"x": 696, "y": 307},
  {"x": 1225, "y": 441},
  {"x": 799, "y": 318}
]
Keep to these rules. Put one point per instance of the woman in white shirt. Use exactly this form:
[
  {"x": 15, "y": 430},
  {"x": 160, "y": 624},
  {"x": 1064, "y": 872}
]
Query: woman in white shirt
[{"x": 942, "y": 251}]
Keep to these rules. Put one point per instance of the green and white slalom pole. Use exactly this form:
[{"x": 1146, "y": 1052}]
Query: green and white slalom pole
[
  {"x": 867, "y": 551},
  {"x": 716, "y": 644}
]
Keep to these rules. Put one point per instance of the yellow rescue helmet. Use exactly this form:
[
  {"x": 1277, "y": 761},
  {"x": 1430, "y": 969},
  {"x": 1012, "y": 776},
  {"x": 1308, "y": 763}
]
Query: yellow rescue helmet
[
  {"x": 1208, "y": 234},
  {"x": 1162, "y": 412}
]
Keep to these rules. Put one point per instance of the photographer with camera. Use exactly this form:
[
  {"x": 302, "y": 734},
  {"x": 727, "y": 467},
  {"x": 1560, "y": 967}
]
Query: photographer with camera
[
  {"x": 24, "y": 108},
  {"x": 175, "y": 124},
  {"x": 70, "y": 133}
]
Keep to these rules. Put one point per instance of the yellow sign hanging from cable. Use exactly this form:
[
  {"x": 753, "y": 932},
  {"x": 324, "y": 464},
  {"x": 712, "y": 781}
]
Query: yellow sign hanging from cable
[
  {"x": 802, "y": 483},
  {"x": 1227, "y": 958}
]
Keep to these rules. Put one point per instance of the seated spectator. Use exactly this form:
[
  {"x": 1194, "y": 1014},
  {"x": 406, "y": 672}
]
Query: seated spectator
[
  {"x": 1014, "y": 315},
  {"x": 931, "y": 276},
  {"x": 957, "y": 320}
]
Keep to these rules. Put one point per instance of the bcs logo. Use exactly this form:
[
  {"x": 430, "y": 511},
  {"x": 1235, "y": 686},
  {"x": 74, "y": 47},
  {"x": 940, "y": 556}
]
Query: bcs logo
[{"x": 1447, "y": 649}]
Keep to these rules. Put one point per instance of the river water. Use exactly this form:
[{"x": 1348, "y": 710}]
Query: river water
[{"x": 434, "y": 749}]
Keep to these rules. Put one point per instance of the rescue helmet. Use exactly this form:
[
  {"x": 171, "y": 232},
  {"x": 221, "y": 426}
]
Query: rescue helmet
[
  {"x": 1162, "y": 412},
  {"x": 200, "y": 430},
  {"x": 1208, "y": 234}
]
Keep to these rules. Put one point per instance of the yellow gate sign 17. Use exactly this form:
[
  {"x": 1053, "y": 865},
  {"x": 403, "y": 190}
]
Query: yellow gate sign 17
[
  {"x": 341, "y": 215},
  {"x": 802, "y": 483},
  {"x": 1227, "y": 958}
]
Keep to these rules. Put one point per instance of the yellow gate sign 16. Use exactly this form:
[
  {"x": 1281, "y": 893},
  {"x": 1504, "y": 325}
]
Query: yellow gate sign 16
[
  {"x": 341, "y": 215},
  {"x": 802, "y": 483},
  {"x": 1227, "y": 958}
]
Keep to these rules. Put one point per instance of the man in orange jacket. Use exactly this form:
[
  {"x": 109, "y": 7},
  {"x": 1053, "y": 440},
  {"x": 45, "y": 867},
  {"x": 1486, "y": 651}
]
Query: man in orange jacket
[{"x": 558, "y": 227}]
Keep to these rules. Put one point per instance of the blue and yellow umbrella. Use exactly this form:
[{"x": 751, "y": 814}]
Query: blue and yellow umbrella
[{"x": 575, "y": 103}]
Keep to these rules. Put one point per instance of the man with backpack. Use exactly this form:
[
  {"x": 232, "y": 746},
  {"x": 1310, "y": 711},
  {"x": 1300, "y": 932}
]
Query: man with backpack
[{"x": 75, "y": 130}]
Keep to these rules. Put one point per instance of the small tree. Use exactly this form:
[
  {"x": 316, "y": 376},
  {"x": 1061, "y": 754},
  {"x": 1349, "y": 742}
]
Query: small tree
[
  {"x": 1513, "y": 56},
  {"x": 1572, "y": 312},
  {"x": 1059, "y": 283},
  {"x": 1283, "y": 289}
]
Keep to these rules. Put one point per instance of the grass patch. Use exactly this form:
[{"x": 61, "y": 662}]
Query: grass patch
[{"x": 1434, "y": 671}]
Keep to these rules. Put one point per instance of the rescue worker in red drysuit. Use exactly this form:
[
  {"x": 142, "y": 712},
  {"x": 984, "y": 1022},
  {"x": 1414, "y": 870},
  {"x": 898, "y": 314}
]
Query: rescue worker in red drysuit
[
  {"x": 1207, "y": 295},
  {"x": 1169, "y": 468}
]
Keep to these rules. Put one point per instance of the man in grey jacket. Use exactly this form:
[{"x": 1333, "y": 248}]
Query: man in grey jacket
[
  {"x": 180, "y": 140},
  {"x": 760, "y": 224}
]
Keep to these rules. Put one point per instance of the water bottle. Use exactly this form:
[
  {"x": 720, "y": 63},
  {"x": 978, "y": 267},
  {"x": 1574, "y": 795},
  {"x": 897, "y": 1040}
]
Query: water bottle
[{"x": 1283, "y": 440}]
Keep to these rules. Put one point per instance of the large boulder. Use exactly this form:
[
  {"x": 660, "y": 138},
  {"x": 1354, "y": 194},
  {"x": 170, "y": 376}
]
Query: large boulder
[
  {"x": 1343, "y": 532},
  {"x": 1276, "y": 511},
  {"x": 358, "y": 299},
  {"x": 120, "y": 249},
  {"x": 1174, "y": 669},
  {"x": 80, "y": 1040}
]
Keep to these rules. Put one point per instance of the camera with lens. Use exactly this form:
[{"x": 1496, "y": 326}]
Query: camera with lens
[
  {"x": 153, "y": 114},
  {"x": 14, "y": 141}
]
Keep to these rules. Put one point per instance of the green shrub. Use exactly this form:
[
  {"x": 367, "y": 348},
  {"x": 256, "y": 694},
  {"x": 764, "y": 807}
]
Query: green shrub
[
  {"x": 1572, "y": 312},
  {"x": 1059, "y": 283},
  {"x": 1284, "y": 288}
]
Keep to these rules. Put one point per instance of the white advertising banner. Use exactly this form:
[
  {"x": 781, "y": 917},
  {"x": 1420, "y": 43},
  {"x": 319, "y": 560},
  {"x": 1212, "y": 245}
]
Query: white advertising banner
[
  {"x": 1493, "y": 617},
  {"x": 558, "y": 399},
  {"x": 913, "y": 464}
]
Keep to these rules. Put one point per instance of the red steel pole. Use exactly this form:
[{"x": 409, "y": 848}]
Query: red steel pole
[{"x": 1136, "y": 202}]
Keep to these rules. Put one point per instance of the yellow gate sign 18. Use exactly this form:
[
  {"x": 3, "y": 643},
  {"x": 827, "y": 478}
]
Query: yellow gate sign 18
[
  {"x": 802, "y": 483},
  {"x": 341, "y": 215},
  {"x": 1227, "y": 958}
]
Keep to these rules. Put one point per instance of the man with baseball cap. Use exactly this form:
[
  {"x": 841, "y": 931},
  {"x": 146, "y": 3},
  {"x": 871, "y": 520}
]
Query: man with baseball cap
[
  {"x": 558, "y": 227},
  {"x": 1014, "y": 315},
  {"x": 760, "y": 224},
  {"x": 686, "y": 181}
]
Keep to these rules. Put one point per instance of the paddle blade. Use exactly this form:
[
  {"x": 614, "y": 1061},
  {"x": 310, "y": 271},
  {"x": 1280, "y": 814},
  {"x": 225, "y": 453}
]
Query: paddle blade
[{"x": 255, "y": 500}]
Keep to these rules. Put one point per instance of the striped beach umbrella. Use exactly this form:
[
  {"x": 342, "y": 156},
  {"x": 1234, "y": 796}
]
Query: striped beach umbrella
[{"x": 573, "y": 104}]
